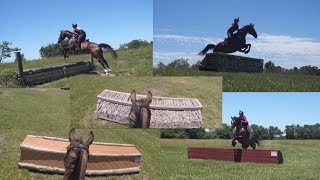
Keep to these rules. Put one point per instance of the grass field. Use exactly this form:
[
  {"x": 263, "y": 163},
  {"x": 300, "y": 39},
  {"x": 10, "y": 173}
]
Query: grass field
[
  {"x": 301, "y": 161},
  {"x": 50, "y": 116},
  {"x": 130, "y": 62},
  {"x": 85, "y": 88},
  {"x": 252, "y": 82}
]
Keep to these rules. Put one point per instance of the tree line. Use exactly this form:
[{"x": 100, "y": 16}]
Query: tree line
[
  {"x": 269, "y": 67},
  {"x": 269, "y": 133}
]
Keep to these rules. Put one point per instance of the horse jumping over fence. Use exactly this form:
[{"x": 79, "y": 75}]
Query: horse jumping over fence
[
  {"x": 87, "y": 47},
  {"x": 242, "y": 136},
  {"x": 238, "y": 42},
  {"x": 140, "y": 113},
  {"x": 77, "y": 155}
]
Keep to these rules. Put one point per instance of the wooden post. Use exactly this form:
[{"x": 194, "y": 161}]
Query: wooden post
[{"x": 19, "y": 60}]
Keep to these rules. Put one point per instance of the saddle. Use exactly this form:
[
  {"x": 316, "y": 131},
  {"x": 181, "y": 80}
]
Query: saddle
[{"x": 85, "y": 41}]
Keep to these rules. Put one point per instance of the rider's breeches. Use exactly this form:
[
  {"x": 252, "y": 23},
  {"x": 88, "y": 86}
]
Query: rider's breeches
[{"x": 81, "y": 38}]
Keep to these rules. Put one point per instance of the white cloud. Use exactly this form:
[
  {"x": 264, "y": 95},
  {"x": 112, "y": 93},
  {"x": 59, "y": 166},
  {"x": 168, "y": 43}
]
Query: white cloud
[
  {"x": 286, "y": 51},
  {"x": 183, "y": 38}
]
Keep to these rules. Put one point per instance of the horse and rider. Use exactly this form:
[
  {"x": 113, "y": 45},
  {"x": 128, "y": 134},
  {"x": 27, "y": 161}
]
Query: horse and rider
[
  {"x": 76, "y": 42},
  {"x": 235, "y": 41},
  {"x": 243, "y": 134}
]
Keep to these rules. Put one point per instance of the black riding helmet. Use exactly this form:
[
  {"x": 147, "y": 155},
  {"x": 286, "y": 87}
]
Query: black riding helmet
[
  {"x": 74, "y": 25},
  {"x": 236, "y": 20},
  {"x": 240, "y": 113}
]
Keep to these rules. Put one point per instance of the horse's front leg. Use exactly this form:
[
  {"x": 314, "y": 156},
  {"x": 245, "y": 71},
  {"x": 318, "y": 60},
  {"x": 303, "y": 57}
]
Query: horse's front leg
[
  {"x": 247, "y": 46},
  {"x": 65, "y": 52},
  {"x": 233, "y": 143}
]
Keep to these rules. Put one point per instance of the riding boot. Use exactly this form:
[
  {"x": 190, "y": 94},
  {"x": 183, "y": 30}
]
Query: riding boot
[{"x": 79, "y": 46}]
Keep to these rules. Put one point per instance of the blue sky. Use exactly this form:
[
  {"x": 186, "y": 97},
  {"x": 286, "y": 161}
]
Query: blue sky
[
  {"x": 272, "y": 109},
  {"x": 35, "y": 23},
  {"x": 288, "y": 31}
]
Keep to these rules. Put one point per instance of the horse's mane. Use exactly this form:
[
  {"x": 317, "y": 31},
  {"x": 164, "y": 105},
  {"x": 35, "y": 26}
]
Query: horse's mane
[
  {"x": 68, "y": 31},
  {"x": 246, "y": 26}
]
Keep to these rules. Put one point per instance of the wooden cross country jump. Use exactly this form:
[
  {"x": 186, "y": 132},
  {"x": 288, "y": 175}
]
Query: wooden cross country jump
[
  {"x": 46, "y": 154},
  {"x": 166, "y": 112},
  {"x": 237, "y": 155}
]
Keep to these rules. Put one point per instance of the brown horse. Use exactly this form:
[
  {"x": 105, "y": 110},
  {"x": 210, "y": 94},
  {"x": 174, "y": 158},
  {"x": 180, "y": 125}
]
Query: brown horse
[
  {"x": 140, "y": 113},
  {"x": 237, "y": 42},
  {"x": 76, "y": 158},
  {"x": 87, "y": 47},
  {"x": 242, "y": 136}
]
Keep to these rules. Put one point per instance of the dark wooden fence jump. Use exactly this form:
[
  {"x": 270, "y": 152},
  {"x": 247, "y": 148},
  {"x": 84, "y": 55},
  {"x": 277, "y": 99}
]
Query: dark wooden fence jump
[
  {"x": 230, "y": 63},
  {"x": 237, "y": 155},
  {"x": 47, "y": 74}
]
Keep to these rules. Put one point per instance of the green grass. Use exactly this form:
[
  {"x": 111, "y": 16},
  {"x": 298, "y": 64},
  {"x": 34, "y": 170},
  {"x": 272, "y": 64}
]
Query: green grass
[
  {"x": 301, "y": 161},
  {"x": 130, "y": 62},
  {"x": 46, "y": 112},
  {"x": 253, "y": 82},
  {"x": 85, "y": 88}
]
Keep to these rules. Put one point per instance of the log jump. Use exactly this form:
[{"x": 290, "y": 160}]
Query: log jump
[{"x": 42, "y": 75}]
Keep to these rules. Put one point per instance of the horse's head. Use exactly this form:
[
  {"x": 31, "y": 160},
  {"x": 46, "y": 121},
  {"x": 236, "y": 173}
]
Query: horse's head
[
  {"x": 77, "y": 153},
  {"x": 234, "y": 122},
  {"x": 64, "y": 34},
  {"x": 140, "y": 113},
  {"x": 252, "y": 31}
]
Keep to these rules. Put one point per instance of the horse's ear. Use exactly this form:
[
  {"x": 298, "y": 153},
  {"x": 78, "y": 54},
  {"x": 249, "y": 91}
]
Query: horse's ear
[
  {"x": 72, "y": 136},
  {"x": 90, "y": 138},
  {"x": 149, "y": 98},
  {"x": 133, "y": 97},
  {"x": 61, "y": 31}
]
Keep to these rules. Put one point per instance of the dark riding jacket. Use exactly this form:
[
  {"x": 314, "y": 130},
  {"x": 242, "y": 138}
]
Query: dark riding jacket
[{"x": 233, "y": 28}]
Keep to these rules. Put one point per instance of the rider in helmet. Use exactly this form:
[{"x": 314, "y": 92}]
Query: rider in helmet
[
  {"x": 80, "y": 34},
  {"x": 244, "y": 121},
  {"x": 232, "y": 29}
]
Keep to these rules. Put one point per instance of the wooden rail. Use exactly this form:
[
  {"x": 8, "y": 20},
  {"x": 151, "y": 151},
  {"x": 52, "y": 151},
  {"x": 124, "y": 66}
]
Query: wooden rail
[{"x": 47, "y": 74}]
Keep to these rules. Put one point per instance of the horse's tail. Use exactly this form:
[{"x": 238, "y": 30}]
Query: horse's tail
[
  {"x": 206, "y": 49},
  {"x": 109, "y": 49}
]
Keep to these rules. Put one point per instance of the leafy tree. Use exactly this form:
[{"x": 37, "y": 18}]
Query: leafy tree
[
  {"x": 290, "y": 132},
  {"x": 224, "y": 132},
  {"x": 6, "y": 50},
  {"x": 135, "y": 44},
  {"x": 52, "y": 50},
  {"x": 179, "y": 63}
]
